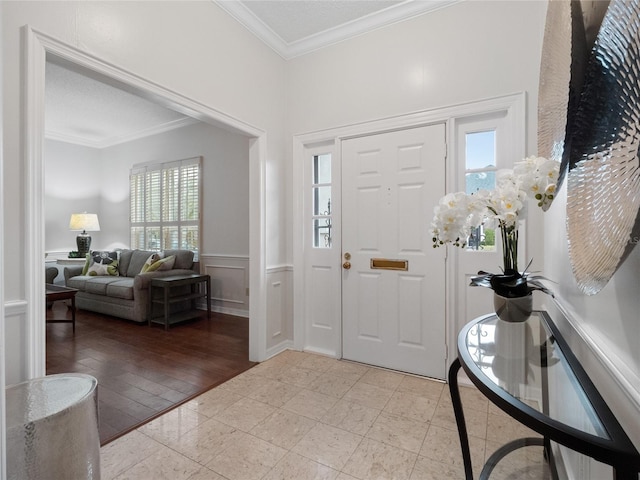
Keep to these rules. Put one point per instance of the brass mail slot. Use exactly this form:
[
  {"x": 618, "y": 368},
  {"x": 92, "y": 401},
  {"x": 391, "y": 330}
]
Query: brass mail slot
[{"x": 388, "y": 264}]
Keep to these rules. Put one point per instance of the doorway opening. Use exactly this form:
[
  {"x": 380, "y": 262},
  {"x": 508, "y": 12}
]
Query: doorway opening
[{"x": 40, "y": 48}]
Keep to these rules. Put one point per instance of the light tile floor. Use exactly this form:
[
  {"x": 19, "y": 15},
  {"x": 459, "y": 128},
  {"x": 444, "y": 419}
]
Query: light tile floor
[{"x": 302, "y": 416}]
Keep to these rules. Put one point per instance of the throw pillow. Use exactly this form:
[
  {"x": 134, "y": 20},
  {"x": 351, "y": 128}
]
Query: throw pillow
[
  {"x": 157, "y": 262},
  {"x": 101, "y": 263},
  {"x": 87, "y": 264},
  {"x": 154, "y": 257},
  {"x": 104, "y": 269}
]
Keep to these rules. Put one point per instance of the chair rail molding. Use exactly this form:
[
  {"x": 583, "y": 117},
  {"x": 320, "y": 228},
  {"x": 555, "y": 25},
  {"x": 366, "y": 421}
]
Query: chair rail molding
[{"x": 39, "y": 46}]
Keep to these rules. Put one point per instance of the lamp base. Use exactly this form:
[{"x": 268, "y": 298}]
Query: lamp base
[{"x": 84, "y": 242}]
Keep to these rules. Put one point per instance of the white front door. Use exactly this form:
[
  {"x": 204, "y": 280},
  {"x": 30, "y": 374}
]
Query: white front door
[{"x": 393, "y": 294}]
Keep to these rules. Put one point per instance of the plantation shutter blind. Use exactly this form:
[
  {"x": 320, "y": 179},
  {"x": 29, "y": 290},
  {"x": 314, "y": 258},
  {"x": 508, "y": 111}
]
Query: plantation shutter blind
[{"x": 166, "y": 205}]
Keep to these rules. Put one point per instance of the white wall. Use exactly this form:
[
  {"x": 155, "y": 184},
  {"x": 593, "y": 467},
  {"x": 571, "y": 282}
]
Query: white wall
[
  {"x": 192, "y": 48},
  {"x": 465, "y": 52},
  {"x": 73, "y": 183},
  {"x": 607, "y": 324}
]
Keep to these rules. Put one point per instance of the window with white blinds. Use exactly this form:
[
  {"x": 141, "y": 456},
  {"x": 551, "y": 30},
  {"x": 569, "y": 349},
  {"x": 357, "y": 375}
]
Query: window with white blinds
[{"x": 166, "y": 205}]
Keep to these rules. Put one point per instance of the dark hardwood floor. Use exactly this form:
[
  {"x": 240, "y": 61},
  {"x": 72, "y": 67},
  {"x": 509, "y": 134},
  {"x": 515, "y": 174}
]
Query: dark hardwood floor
[{"x": 144, "y": 371}]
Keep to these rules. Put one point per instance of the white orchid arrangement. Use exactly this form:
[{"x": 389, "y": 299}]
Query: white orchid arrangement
[{"x": 458, "y": 213}]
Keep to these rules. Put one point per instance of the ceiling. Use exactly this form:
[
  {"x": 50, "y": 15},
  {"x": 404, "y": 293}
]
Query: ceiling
[
  {"x": 296, "y": 27},
  {"x": 83, "y": 110}
]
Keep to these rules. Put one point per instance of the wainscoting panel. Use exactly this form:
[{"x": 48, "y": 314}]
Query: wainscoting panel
[
  {"x": 15, "y": 316},
  {"x": 229, "y": 283},
  {"x": 279, "y": 309}
]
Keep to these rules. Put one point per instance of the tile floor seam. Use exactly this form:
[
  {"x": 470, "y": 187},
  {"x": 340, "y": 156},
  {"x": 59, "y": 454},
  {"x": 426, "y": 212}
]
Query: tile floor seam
[
  {"x": 170, "y": 448},
  {"x": 351, "y": 456}
]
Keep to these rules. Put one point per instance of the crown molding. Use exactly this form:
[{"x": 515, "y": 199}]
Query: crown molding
[
  {"x": 116, "y": 140},
  {"x": 387, "y": 16},
  {"x": 368, "y": 23},
  {"x": 252, "y": 23}
]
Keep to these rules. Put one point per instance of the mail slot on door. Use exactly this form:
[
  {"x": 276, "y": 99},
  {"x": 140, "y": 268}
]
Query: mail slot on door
[{"x": 389, "y": 264}]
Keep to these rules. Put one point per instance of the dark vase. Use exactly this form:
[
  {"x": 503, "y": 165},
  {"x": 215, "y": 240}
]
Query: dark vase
[{"x": 513, "y": 309}]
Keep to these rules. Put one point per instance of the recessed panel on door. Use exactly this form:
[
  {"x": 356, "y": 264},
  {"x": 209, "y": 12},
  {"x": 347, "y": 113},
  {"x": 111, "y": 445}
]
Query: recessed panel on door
[
  {"x": 410, "y": 311},
  {"x": 410, "y": 205},
  {"x": 368, "y": 321}
]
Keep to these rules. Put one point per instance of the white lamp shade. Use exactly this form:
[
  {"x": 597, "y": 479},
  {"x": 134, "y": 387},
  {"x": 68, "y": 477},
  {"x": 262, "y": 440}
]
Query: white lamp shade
[{"x": 84, "y": 222}]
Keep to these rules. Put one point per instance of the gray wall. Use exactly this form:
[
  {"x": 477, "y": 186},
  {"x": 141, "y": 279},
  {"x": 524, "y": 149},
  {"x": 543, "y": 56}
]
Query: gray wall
[{"x": 97, "y": 180}]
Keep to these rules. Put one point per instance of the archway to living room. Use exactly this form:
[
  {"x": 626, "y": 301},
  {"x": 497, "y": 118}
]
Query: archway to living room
[{"x": 41, "y": 49}]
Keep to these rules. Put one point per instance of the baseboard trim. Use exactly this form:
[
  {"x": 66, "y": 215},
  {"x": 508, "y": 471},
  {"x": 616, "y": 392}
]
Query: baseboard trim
[
  {"x": 236, "y": 312},
  {"x": 322, "y": 351},
  {"x": 279, "y": 348}
]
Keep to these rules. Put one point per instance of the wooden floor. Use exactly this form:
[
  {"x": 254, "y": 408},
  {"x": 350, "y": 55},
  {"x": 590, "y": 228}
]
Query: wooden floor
[{"x": 144, "y": 371}]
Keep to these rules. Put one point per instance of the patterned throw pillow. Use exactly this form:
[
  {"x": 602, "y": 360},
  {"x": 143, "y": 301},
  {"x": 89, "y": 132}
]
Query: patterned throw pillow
[
  {"x": 158, "y": 262},
  {"x": 101, "y": 263}
]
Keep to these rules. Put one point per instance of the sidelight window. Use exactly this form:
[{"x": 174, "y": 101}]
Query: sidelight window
[
  {"x": 480, "y": 174},
  {"x": 321, "y": 201}
]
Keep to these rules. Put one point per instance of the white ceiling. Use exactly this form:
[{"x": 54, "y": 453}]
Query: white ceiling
[
  {"x": 86, "y": 111},
  {"x": 296, "y": 27}
]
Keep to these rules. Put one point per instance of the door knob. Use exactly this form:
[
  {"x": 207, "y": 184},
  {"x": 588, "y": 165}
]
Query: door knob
[{"x": 346, "y": 265}]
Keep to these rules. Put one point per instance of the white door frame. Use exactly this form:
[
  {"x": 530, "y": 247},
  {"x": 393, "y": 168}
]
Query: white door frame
[
  {"x": 515, "y": 104},
  {"x": 38, "y": 46}
]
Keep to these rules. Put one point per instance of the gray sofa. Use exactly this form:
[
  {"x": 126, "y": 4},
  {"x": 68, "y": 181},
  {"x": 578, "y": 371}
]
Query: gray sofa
[{"x": 127, "y": 294}]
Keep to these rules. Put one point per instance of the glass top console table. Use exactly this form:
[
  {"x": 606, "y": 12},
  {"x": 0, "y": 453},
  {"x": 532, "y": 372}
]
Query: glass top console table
[{"x": 529, "y": 371}]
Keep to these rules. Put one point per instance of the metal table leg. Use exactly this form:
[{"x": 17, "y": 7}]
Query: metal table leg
[{"x": 457, "y": 410}]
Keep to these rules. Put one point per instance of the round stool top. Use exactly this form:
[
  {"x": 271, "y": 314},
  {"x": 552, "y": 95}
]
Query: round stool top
[{"x": 43, "y": 397}]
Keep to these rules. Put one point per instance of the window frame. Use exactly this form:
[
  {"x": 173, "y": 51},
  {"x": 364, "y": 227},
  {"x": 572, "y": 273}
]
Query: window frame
[{"x": 140, "y": 205}]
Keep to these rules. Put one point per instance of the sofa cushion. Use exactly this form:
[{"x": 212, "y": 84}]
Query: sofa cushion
[
  {"x": 78, "y": 282},
  {"x": 122, "y": 288},
  {"x": 98, "y": 285},
  {"x": 184, "y": 258},
  {"x": 138, "y": 259},
  {"x": 123, "y": 261}
]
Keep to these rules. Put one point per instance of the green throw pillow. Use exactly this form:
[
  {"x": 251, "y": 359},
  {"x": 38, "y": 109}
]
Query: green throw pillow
[
  {"x": 165, "y": 263},
  {"x": 87, "y": 264}
]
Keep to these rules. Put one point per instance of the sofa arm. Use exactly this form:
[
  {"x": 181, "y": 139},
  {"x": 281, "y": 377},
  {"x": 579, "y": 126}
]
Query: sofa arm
[{"x": 72, "y": 272}]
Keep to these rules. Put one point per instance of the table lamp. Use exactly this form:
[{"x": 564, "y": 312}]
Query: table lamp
[{"x": 84, "y": 222}]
